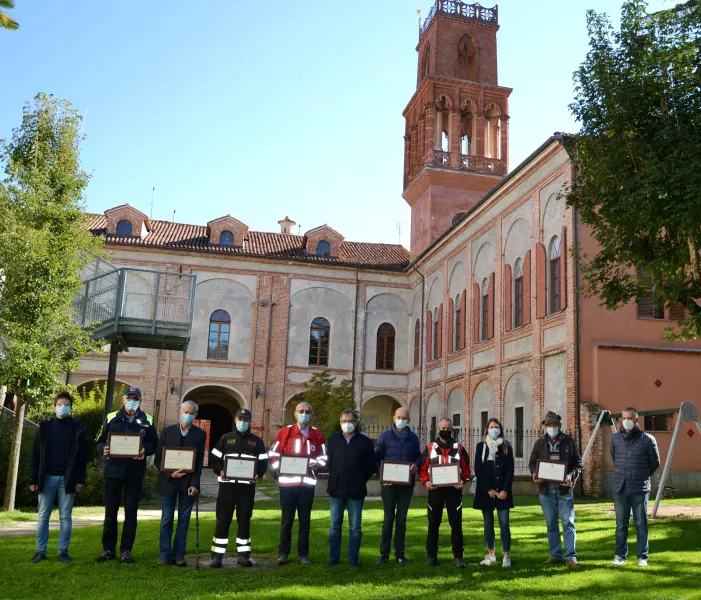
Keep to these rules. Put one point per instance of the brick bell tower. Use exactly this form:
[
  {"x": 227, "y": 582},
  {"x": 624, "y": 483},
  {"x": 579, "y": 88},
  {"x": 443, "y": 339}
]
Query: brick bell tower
[{"x": 457, "y": 138}]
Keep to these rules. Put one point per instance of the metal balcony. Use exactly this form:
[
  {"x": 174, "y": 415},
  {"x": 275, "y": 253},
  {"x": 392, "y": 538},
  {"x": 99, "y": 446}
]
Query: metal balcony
[{"x": 461, "y": 10}]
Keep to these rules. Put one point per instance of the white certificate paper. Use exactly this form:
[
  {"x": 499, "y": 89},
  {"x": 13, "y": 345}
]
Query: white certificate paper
[
  {"x": 124, "y": 445},
  {"x": 445, "y": 475},
  {"x": 178, "y": 459},
  {"x": 240, "y": 468},
  {"x": 294, "y": 465},
  {"x": 551, "y": 471},
  {"x": 396, "y": 472}
]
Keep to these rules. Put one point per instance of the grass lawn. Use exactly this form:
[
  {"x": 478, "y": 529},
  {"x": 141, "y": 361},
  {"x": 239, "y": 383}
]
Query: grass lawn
[{"x": 674, "y": 571}]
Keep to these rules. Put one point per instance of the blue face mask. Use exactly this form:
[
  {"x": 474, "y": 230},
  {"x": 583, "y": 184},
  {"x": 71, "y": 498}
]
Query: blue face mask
[
  {"x": 494, "y": 433},
  {"x": 62, "y": 411},
  {"x": 187, "y": 419},
  {"x": 552, "y": 431},
  {"x": 132, "y": 405},
  {"x": 303, "y": 418},
  {"x": 242, "y": 426},
  {"x": 401, "y": 423}
]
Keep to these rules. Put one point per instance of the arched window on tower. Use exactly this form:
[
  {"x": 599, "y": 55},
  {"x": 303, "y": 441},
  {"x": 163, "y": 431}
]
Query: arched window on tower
[
  {"x": 319, "y": 337},
  {"x": 467, "y": 130},
  {"x": 554, "y": 283},
  {"x": 124, "y": 229},
  {"x": 323, "y": 248},
  {"x": 467, "y": 59},
  {"x": 385, "y": 347},
  {"x": 417, "y": 342},
  {"x": 425, "y": 62},
  {"x": 517, "y": 300},
  {"x": 492, "y": 135},
  {"x": 226, "y": 238},
  {"x": 442, "y": 127},
  {"x": 219, "y": 328}
]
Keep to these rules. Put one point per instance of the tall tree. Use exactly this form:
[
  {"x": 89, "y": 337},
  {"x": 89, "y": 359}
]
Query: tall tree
[
  {"x": 6, "y": 21},
  {"x": 328, "y": 401},
  {"x": 638, "y": 158},
  {"x": 44, "y": 243}
]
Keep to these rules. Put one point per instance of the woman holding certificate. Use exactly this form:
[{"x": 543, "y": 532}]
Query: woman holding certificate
[{"x": 494, "y": 470}]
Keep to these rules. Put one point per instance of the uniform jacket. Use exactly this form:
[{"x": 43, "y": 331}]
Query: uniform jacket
[
  {"x": 443, "y": 453},
  {"x": 569, "y": 453},
  {"x": 350, "y": 465},
  {"x": 391, "y": 445},
  {"x": 290, "y": 440},
  {"x": 497, "y": 475},
  {"x": 235, "y": 445},
  {"x": 116, "y": 422},
  {"x": 77, "y": 457},
  {"x": 635, "y": 459},
  {"x": 170, "y": 436}
]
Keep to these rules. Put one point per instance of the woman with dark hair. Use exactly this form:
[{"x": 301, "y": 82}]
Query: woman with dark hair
[{"x": 494, "y": 469}]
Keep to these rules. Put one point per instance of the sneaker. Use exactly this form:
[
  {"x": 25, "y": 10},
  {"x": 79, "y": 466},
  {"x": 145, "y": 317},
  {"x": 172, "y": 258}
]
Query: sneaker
[
  {"x": 331, "y": 563},
  {"x": 106, "y": 555},
  {"x": 383, "y": 560},
  {"x": 506, "y": 563},
  {"x": 553, "y": 560},
  {"x": 642, "y": 562},
  {"x": 403, "y": 560},
  {"x": 216, "y": 561},
  {"x": 166, "y": 562},
  {"x": 573, "y": 564},
  {"x": 304, "y": 560},
  {"x": 63, "y": 557},
  {"x": 431, "y": 561},
  {"x": 180, "y": 562},
  {"x": 488, "y": 560},
  {"x": 37, "y": 558},
  {"x": 618, "y": 561},
  {"x": 244, "y": 560},
  {"x": 459, "y": 563},
  {"x": 282, "y": 559},
  {"x": 126, "y": 557}
]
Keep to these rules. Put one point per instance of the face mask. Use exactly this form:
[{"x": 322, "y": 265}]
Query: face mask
[
  {"x": 494, "y": 433},
  {"x": 445, "y": 434},
  {"x": 187, "y": 419},
  {"x": 132, "y": 405},
  {"x": 348, "y": 427},
  {"x": 628, "y": 424},
  {"x": 552, "y": 431},
  {"x": 401, "y": 423},
  {"x": 62, "y": 411},
  {"x": 303, "y": 418},
  {"x": 242, "y": 426}
]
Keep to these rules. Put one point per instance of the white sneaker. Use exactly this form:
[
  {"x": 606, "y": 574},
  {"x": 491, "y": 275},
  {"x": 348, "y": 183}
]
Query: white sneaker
[
  {"x": 618, "y": 561},
  {"x": 642, "y": 562},
  {"x": 506, "y": 563},
  {"x": 488, "y": 560}
]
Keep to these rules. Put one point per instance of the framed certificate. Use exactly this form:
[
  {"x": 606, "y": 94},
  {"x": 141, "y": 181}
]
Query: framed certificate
[
  {"x": 395, "y": 472},
  {"x": 177, "y": 458},
  {"x": 124, "y": 445},
  {"x": 240, "y": 468},
  {"x": 294, "y": 465},
  {"x": 551, "y": 470},
  {"x": 445, "y": 475}
]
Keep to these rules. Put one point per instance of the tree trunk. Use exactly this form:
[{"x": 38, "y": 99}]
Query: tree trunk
[
  {"x": 3, "y": 394},
  {"x": 694, "y": 256},
  {"x": 15, "y": 447}
]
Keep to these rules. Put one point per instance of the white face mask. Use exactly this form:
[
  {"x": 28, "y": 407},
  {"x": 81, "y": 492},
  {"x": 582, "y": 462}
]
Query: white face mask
[
  {"x": 628, "y": 424},
  {"x": 348, "y": 427}
]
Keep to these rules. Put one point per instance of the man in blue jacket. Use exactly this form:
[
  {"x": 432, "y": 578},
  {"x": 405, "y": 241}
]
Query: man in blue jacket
[
  {"x": 402, "y": 445},
  {"x": 635, "y": 459}
]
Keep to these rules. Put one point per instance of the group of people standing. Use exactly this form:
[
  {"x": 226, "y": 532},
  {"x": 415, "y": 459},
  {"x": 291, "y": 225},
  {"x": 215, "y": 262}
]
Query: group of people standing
[{"x": 60, "y": 455}]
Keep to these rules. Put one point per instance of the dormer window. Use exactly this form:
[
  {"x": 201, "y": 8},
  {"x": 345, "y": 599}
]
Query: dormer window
[
  {"x": 124, "y": 229},
  {"x": 323, "y": 248},
  {"x": 226, "y": 238}
]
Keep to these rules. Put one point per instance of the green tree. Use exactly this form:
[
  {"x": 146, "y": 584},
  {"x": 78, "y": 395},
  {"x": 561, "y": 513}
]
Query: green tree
[
  {"x": 44, "y": 243},
  {"x": 638, "y": 158},
  {"x": 327, "y": 401},
  {"x": 6, "y": 21}
]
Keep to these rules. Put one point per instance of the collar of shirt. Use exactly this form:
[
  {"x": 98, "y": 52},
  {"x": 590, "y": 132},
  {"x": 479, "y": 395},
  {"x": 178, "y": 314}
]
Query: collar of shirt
[
  {"x": 130, "y": 419},
  {"x": 184, "y": 432},
  {"x": 348, "y": 439},
  {"x": 304, "y": 431}
]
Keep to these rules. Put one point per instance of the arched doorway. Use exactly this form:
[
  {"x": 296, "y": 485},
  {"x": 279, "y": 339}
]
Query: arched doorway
[
  {"x": 98, "y": 389},
  {"x": 218, "y": 405},
  {"x": 376, "y": 415},
  {"x": 289, "y": 416}
]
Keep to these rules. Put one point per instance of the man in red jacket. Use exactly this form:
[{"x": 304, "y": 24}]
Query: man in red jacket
[
  {"x": 445, "y": 450},
  {"x": 297, "y": 491}
]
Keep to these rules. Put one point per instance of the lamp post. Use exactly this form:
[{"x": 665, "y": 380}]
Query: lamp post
[
  {"x": 257, "y": 391},
  {"x": 171, "y": 385}
]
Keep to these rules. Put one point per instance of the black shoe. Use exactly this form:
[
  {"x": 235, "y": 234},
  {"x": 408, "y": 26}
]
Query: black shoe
[
  {"x": 216, "y": 561},
  {"x": 167, "y": 561},
  {"x": 282, "y": 559},
  {"x": 38, "y": 557},
  {"x": 304, "y": 560},
  {"x": 244, "y": 560},
  {"x": 126, "y": 557},
  {"x": 331, "y": 563},
  {"x": 355, "y": 565},
  {"x": 106, "y": 555},
  {"x": 460, "y": 563},
  {"x": 383, "y": 560},
  {"x": 403, "y": 560},
  {"x": 431, "y": 561},
  {"x": 63, "y": 557},
  {"x": 180, "y": 562}
]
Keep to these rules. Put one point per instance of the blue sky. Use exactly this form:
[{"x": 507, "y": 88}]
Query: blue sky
[{"x": 267, "y": 109}]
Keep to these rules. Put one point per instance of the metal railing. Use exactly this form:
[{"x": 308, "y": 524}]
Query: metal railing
[{"x": 462, "y": 10}]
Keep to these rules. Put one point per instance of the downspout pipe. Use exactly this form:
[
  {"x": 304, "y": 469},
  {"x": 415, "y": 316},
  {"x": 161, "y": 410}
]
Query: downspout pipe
[{"x": 577, "y": 331}]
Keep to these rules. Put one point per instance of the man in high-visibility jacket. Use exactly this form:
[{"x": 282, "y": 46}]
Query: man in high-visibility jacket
[
  {"x": 123, "y": 477},
  {"x": 297, "y": 491}
]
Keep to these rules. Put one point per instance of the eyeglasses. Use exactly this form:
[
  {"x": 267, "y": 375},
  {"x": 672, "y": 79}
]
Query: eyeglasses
[{"x": 304, "y": 412}]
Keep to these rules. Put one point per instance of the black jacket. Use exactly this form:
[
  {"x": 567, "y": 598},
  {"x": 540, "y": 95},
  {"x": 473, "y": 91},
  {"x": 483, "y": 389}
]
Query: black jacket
[
  {"x": 350, "y": 465},
  {"x": 237, "y": 444},
  {"x": 170, "y": 436},
  {"x": 569, "y": 453},
  {"x": 497, "y": 475},
  {"x": 77, "y": 457},
  {"x": 116, "y": 422}
]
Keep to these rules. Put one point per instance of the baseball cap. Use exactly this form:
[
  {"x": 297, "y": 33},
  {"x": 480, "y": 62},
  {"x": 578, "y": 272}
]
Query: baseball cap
[
  {"x": 133, "y": 391},
  {"x": 243, "y": 412}
]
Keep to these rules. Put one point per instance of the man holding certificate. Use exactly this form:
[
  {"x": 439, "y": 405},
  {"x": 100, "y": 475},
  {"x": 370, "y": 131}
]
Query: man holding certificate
[
  {"x": 127, "y": 437},
  {"x": 555, "y": 465},
  {"x": 239, "y": 459},
  {"x": 445, "y": 467},
  {"x": 179, "y": 458}
]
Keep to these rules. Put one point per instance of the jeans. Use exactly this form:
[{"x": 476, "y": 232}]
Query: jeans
[
  {"x": 395, "y": 500},
  {"x": 355, "y": 514},
  {"x": 55, "y": 485},
  {"x": 623, "y": 503},
  {"x": 504, "y": 529},
  {"x": 185, "y": 504},
  {"x": 553, "y": 503}
]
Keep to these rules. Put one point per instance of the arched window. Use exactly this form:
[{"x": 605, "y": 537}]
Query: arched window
[
  {"x": 319, "y": 335},
  {"x": 323, "y": 248},
  {"x": 417, "y": 342},
  {"x": 425, "y": 61},
  {"x": 493, "y": 132},
  {"x": 484, "y": 311},
  {"x": 124, "y": 229},
  {"x": 385, "y": 347},
  {"x": 434, "y": 342},
  {"x": 554, "y": 282},
  {"x": 219, "y": 328},
  {"x": 518, "y": 293},
  {"x": 467, "y": 59},
  {"x": 226, "y": 238},
  {"x": 468, "y": 129},
  {"x": 456, "y": 324},
  {"x": 648, "y": 307}
]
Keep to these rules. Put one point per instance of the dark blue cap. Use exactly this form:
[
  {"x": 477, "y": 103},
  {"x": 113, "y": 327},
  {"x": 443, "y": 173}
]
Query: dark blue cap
[{"x": 133, "y": 391}]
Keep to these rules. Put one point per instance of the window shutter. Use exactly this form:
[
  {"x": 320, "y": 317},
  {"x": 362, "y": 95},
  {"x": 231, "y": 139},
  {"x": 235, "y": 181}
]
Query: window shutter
[
  {"x": 540, "y": 287},
  {"x": 677, "y": 311},
  {"x": 475, "y": 314},
  {"x": 440, "y": 331},
  {"x": 507, "y": 297},
  {"x": 429, "y": 335},
  {"x": 451, "y": 316},
  {"x": 527, "y": 288},
  {"x": 563, "y": 269},
  {"x": 463, "y": 320},
  {"x": 490, "y": 309}
]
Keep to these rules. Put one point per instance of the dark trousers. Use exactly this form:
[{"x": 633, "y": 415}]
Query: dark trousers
[
  {"x": 238, "y": 497},
  {"x": 452, "y": 500},
  {"x": 395, "y": 500},
  {"x": 295, "y": 499},
  {"x": 115, "y": 490}
]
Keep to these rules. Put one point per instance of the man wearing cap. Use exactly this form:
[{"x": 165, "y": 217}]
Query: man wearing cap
[
  {"x": 236, "y": 494},
  {"x": 123, "y": 477},
  {"x": 558, "y": 498}
]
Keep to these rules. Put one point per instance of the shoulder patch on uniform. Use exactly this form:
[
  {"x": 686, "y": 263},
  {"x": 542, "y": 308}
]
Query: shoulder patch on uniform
[
  {"x": 231, "y": 441},
  {"x": 252, "y": 443}
]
